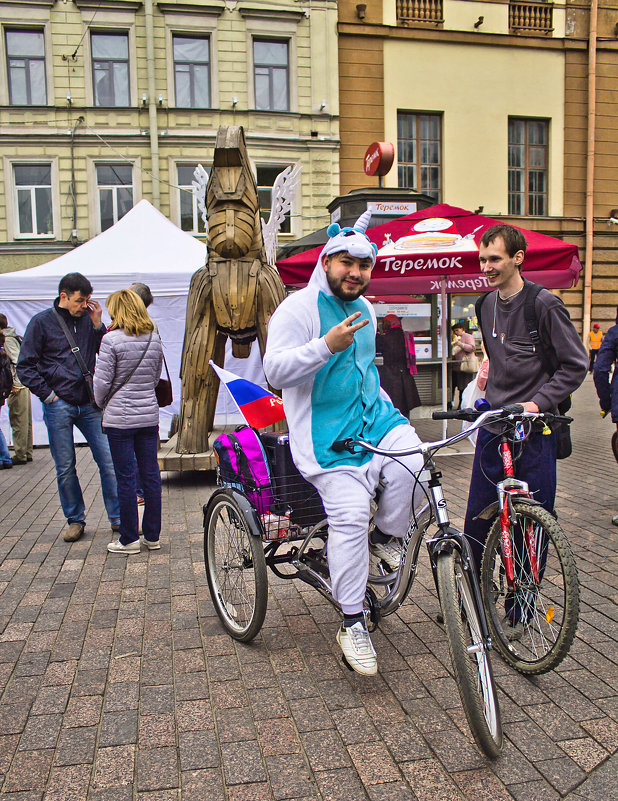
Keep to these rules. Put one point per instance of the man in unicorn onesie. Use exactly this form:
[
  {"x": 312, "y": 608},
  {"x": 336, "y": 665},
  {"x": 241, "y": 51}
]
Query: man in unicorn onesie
[{"x": 320, "y": 352}]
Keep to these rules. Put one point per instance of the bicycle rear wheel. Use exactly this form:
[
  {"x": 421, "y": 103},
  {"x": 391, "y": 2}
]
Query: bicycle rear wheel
[
  {"x": 469, "y": 654},
  {"x": 532, "y": 623},
  {"x": 235, "y": 564}
]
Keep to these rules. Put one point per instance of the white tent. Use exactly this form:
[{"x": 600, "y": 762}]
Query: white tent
[{"x": 143, "y": 246}]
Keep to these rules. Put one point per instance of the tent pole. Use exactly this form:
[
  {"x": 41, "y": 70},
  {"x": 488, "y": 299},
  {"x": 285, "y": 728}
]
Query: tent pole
[{"x": 444, "y": 336}]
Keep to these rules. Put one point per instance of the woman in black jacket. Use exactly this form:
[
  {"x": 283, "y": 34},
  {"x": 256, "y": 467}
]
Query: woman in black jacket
[{"x": 395, "y": 376}]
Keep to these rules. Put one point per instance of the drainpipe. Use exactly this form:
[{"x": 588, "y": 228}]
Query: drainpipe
[
  {"x": 152, "y": 104},
  {"x": 592, "y": 90}
]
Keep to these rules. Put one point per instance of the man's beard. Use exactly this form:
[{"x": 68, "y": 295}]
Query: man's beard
[{"x": 336, "y": 287}]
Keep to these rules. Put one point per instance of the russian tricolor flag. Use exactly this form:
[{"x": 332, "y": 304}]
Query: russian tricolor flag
[{"x": 258, "y": 406}]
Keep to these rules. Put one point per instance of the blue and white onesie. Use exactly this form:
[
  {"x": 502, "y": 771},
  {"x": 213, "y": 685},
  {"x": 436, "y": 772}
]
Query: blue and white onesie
[{"x": 328, "y": 397}]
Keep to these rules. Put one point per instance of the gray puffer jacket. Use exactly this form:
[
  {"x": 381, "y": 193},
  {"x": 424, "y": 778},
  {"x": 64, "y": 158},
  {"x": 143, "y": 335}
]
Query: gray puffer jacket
[{"x": 134, "y": 405}]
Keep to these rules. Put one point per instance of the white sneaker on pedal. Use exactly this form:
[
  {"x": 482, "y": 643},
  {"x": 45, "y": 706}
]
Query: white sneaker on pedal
[
  {"x": 357, "y": 649},
  {"x": 389, "y": 552}
]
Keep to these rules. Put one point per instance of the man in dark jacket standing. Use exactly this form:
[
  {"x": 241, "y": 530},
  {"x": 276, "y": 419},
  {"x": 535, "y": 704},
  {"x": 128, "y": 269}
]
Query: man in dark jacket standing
[
  {"x": 518, "y": 373},
  {"x": 48, "y": 366}
]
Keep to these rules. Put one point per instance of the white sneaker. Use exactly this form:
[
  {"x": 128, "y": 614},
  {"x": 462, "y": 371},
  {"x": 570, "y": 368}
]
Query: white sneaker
[
  {"x": 357, "y": 648},
  {"x": 117, "y": 547},
  {"x": 152, "y": 545},
  {"x": 389, "y": 552}
]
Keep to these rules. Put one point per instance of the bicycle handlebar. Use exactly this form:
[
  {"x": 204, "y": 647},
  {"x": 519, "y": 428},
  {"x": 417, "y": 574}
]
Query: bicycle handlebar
[{"x": 477, "y": 418}]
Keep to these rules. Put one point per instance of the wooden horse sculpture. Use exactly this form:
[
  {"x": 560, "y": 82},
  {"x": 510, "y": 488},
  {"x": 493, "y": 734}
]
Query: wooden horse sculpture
[{"x": 233, "y": 295}]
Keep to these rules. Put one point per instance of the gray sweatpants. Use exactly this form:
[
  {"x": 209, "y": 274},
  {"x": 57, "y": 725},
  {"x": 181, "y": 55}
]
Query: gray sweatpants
[{"x": 347, "y": 493}]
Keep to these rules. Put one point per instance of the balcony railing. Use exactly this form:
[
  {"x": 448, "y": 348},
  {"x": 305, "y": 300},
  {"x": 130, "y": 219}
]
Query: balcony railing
[
  {"x": 525, "y": 17},
  {"x": 415, "y": 11}
]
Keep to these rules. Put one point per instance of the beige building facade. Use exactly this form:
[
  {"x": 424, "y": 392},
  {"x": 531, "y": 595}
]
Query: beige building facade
[{"x": 106, "y": 102}]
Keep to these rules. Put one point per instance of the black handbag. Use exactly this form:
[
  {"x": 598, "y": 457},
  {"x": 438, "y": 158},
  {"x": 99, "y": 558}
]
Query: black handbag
[{"x": 163, "y": 389}]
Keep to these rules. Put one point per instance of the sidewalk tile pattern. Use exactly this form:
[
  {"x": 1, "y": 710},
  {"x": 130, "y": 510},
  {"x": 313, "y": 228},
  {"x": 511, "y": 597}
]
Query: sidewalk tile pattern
[{"x": 117, "y": 682}]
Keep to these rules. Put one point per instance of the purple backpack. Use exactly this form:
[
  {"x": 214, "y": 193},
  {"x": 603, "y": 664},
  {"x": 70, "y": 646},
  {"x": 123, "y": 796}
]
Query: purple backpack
[{"x": 243, "y": 464}]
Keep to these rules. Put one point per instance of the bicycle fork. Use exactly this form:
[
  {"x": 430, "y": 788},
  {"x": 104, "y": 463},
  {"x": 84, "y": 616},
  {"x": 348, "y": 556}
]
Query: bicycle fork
[{"x": 449, "y": 539}]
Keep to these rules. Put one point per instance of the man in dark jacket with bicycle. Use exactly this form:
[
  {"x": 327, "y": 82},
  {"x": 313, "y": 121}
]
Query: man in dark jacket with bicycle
[
  {"x": 539, "y": 375},
  {"x": 49, "y": 366}
]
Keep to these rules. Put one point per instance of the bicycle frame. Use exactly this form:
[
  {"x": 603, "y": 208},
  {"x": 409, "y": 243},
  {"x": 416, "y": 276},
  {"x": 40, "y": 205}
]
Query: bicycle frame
[{"x": 508, "y": 489}]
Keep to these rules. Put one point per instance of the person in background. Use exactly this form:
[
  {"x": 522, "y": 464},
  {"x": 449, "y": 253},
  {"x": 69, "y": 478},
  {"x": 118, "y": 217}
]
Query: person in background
[
  {"x": 128, "y": 369},
  {"x": 49, "y": 367},
  {"x": 595, "y": 338},
  {"x": 607, "y": 389},
  {"x": 5, "y": 387},
  {"x": 20, "y": 408},
  {"x": 462, "y": 344},
  {"x": 395, "y": 374}
]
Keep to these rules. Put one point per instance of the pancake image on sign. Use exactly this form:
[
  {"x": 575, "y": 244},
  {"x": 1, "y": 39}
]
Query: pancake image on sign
[{"x": 436, "y": 234}]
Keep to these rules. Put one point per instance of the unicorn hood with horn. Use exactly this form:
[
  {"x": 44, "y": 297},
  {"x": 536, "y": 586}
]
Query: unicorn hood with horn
[{"x": 328, "y": 396}]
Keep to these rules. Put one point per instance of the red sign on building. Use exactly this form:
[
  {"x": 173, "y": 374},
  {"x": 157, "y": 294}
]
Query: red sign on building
[{"x": 379, "y": 158}]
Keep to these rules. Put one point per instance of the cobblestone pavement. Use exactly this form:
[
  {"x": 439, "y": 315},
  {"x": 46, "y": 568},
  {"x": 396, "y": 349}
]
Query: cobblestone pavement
[{"x": 117, "y": 681}]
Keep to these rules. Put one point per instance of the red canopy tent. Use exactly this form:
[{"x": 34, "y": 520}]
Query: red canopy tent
[{"x": 416, "y": 250}]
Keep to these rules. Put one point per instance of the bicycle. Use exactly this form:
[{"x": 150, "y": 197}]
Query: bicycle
[
  {"x": 528, "y": 573},
  {"x": 240, "y": 541}
]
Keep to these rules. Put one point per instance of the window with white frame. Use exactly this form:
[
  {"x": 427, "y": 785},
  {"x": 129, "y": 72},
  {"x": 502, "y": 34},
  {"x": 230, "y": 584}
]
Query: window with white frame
[
  {"x": 527, "y": 164},
  {"x": 25, "y": 58},
  {"x": 265, "y": 179},
  {"x": 419, "y": 152},
  {"x": 190, "y": 215},
  {"x": 115, "y": 192},
  {"x": 110, "y": 69},
  {"x": 271, "y": 68},
  {"x": 191, "y": 71},
  {"x": 33, "y": 200}
]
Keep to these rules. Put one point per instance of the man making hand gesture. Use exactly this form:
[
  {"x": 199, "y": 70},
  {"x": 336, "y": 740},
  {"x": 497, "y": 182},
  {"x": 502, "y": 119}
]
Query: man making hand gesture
[{"x": 320, "y": 351}]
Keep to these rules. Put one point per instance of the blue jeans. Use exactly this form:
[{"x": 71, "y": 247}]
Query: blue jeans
[
  {"x": 60, "y": 417},
  {"x": 5, "y": 456},
  {"x": 127, "y": 445}
]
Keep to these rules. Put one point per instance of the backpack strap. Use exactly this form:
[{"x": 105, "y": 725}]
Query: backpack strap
[
  {"x": 532, "y": 324},
  {"x": 477, "y": 310}
]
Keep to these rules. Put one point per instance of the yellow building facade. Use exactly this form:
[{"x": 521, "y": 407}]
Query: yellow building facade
[
  {"x": 106, "y": 102},
  {"x": 494, "y": 105}
]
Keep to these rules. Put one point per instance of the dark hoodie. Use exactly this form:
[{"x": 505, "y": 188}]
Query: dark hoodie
[
  {"x": 608, "y": 355},
  {"x": 46, "y": 364}
]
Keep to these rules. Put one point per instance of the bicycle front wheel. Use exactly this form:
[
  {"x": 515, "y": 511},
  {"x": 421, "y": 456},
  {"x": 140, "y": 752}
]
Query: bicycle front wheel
[
  {"x": 235, "y": 564},
  {"x": 469, "y": 653},
  {"x": 534, "y": 619}
]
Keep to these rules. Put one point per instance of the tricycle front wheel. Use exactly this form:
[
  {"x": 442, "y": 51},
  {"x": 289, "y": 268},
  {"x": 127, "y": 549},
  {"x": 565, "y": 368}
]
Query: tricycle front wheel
[{"x": 235, "y": 564}]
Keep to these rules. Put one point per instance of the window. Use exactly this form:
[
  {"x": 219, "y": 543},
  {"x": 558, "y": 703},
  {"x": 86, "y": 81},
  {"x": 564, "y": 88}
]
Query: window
[
  {"x": 110, "y": 69},
  {"x": 190, "y": 215},
  {"x": 528, "y": 156},
  {"x": 25, "y": 56},
  {"x": 265, "y": 179},
  {"x": 115, "y": 190},
  {"x": 419, "y": 153},
  {"x": 33, "y": 197},
  {"x": 192, "y": 71},
  {"x": 270, "y": 68}
]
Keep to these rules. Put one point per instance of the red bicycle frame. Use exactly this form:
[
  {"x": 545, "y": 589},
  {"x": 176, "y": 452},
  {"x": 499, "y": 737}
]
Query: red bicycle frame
[{"x": 506, "y": 522}]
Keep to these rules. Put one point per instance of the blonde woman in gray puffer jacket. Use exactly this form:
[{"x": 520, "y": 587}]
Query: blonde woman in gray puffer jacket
[{"x": 128, "y": 369}]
